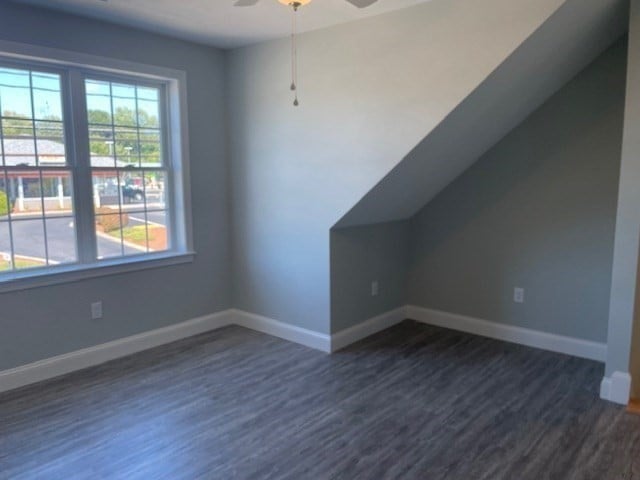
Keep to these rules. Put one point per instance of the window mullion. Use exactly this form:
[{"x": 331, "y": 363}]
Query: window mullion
[{"x": 83, "y": 183}]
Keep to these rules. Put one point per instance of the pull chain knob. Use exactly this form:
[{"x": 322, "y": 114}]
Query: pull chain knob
[{"x": 294, "y": 51}]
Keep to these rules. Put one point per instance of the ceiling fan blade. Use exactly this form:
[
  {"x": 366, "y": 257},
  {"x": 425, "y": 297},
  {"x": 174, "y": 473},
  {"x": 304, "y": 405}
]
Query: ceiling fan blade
[
  {"x": 245, "y": 3},
  {"x": 362, "y": 3}
]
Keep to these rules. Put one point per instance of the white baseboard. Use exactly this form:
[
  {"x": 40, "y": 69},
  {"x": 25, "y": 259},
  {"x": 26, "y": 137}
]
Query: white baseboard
[
  {"x": 616, "y": 388},
  {"x": 286, "y": 331},
  {"x": 374, "y": 325},
  {"x": 524, "y": 336},
  {"x": 89, "y": 357}
]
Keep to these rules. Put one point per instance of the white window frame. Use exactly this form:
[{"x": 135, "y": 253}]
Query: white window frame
[{"x": 76, "y": 67}]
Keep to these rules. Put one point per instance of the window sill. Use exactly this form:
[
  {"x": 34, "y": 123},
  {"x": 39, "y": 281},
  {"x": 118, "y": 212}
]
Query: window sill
[{"x": 28, "y": 279}]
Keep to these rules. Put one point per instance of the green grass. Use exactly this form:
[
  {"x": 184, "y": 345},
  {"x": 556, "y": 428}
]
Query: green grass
[
  {"x": 20, "y": 263},
  {"x": 137, "y": 234}
]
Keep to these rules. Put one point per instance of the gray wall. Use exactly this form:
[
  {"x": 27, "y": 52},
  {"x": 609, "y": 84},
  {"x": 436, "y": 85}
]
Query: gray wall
[
  {"x": 575, "y": 35},
  {"x": 537, "y": 211},
  {"x": 635, "y": 343},
  {"x": 364, "y": 106},
  {"x": 41, "y": 323},
  {"x": 360, "y": 255},
  {"x": 625, "y": 264}
]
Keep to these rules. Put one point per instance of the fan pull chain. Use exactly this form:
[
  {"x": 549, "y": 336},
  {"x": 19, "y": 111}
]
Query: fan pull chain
[{"x": 294, "y": 54}]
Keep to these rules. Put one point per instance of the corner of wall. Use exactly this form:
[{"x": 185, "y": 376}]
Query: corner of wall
[{"x": 616, "y": 388}]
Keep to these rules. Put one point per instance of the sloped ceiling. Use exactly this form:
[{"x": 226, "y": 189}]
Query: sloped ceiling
[
  {"x": 218, "y": 22},
  {"x": 369, "y": 91},
  {"x": 573, "y": 37}
]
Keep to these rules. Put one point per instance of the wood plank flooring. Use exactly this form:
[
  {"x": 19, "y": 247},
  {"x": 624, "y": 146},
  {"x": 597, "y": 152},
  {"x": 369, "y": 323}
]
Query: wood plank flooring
[{"x": 412, "y": 402}]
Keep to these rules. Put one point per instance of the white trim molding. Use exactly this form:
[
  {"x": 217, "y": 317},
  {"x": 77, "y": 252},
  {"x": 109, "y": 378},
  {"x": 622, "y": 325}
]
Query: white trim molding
[
  {"x": 616, "y": 388},
  {"x": 286, "y": 331},
  {"x": 362, "y": 330},
  {"x": 576, "y": 347},
  {"x": 96, "y": 355},
  {"x": 89, "y": 357}
]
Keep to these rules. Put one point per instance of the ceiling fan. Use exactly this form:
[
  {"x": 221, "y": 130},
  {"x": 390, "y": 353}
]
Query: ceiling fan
[
  {"x": 295, "y": 5},
  {"x": 300, "y": 3}
]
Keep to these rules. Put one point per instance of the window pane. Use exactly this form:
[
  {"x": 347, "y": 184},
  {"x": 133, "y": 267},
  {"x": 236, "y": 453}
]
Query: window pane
[
  {"x": 18, "y": 143},
  {"x": 15, "y": 94},
  {"x": 145, "y": 233},
  {"x": 124, "y": 105},
  {"x": 135, "y": 234},
  {"x": 108, "y": 235},
  {"x": 148, "y": 114},
  {"x": 50, "y": 144},
  {"x": 61, "y": 240},
  {"x": 127, "y": 147},
  {"x": 133, "y": 194},
  {"x": 150, "y": 148},
  {"x": 29, "y": 243},
  {"x": 53, "y": 131},
  {"x": 57, "y": 187},
  {"x": 14, "y": 78},
  {"x": 148, "y": 107},
  {"x": 47, "y": 105},
  {"x": 101, "y": 145},
  {"x": 46, "y": 81},
  {"x": 21, "y": 141},
  {"x": 47, "y": 98},
  {"x": 147, "y": 230},
  {"x": 158, "y": 231},
  {"x": 116, "y": 238},
  {"x": 98, "y": 102},
  {"x": 25, "y": 193},
  {"x": 155, "y": 190},
  {"x": 106, "y": 190}
]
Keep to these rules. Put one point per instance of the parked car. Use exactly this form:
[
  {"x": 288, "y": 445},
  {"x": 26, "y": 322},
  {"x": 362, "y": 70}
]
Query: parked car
[{"x": 132, "y": 193}]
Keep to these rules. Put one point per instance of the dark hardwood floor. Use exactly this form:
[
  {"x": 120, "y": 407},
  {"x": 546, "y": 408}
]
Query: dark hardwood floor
[{"x": 413, "y": 402}]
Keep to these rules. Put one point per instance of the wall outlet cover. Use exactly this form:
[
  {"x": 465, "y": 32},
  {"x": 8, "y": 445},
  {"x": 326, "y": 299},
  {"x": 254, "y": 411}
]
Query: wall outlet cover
[
  {"x": 96, "y": 310},
  {"x": 518, "y": 295}
]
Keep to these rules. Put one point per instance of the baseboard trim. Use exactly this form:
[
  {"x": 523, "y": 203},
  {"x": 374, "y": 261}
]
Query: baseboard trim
[
  {"x": 96, "y": 355},
  {"x": 89, "y": 357},
  {"x": 286, "y": 331},
  {"x": 532, "y": 338},
  {"x": 616, "y": 388},
  {"x": 362, "y": 330}
]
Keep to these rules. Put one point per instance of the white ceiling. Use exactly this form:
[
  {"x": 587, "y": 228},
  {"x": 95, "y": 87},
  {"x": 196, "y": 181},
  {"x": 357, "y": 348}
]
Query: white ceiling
[{"x": 218, "y": 22}]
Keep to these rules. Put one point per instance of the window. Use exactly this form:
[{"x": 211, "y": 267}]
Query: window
[
  {"x": 88, "y": 176},
  {"x": 128, "y": 168}
]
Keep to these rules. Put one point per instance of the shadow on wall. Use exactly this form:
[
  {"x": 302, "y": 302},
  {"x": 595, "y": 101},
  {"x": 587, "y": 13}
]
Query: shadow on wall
[
  {"x": 361, "y": 256},
  {"x": 537, "y": 211}
]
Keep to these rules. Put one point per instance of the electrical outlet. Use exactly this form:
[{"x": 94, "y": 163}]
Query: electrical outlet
[
  {"x": 518, "y": 295},
  {"x": 96, "y": 310},
  {"x": 375, "y": 288}
]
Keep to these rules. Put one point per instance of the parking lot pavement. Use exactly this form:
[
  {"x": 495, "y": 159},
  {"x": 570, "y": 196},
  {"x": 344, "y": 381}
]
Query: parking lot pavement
[
  {"x": 28, "y": 235},
  {"x": 153, "y": 218}
]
